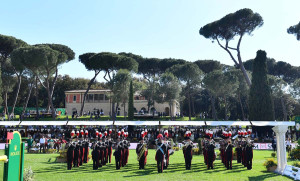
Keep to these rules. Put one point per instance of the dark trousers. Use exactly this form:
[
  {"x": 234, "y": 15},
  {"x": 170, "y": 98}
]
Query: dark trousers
[
  {"x": 249, "y": 164},
  {"x": 42, "y": 146},
  {"x": 160, "y": 166},
  {"x": 28, "y": 148},
  {"x": 229, "y": 164},
  {"x": 76, "y": 158},
  {"x": 95, "y": 160},
  {"x": 118, "y": 163},
  {"x": 142, "y": 162},
  {"x": 210, "y": 164},
  {"x": 188, "y": 163},
  {"x": 239, "y": 155},
  {"x": 69, "y": 162},
  {"x": 109, "y": 154}
]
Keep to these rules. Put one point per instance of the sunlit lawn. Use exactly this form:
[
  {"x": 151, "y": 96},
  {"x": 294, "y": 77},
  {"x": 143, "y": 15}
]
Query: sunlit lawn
[{"x": 45, "y": 168}]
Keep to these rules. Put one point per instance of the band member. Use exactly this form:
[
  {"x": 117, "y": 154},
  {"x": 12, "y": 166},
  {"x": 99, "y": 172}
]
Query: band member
[
  {"x": 238, "y": 147},
  {"x": 118, "y": 152},
  {"x": 168, "y": 149},
  {"x": 223, "y": 145},
  {"x": 244, "y": 143},
  {"x": 187, "y": 150},
  {"x": 229, "y": 155},
  {"x": 126, "y": 145},
  {"x": 211, "y": 151},
  {"x": 160, "y": 153},
  {"x": 102, "y": 147},
  {"x": 141, "y": 151},
  {"x": 205, "y": 144},
  {"x": 109, "y": 145},
  {"x": 86, "y": 147},
  {"x": 96, "y": 152},
  {"x": 70, "y": 152},
  {"x": 249, "y": 152},
  {"x": 77, "y": 154},
  {"x": 105, "y": 149}
]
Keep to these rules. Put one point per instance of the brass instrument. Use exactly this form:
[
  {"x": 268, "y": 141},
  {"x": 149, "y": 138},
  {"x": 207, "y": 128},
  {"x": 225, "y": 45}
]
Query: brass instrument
[
  {"x": 187, "y": 143},
  {"x": 142, "y": 151}
]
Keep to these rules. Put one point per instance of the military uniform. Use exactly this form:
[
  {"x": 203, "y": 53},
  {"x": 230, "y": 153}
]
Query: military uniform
[
  {"x": 118, "y": 155},
  {"x": 160, "y": 154},
  {"x": 95, "y": 155},
  {"x": 142, "y": 152},
  {"x": 188, "y": 155},
  {"x": 77, "y": 155},
  {"x": 70, "y": 155}
]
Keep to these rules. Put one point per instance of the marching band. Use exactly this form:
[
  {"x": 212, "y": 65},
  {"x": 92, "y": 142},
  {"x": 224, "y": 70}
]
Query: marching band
[{"x": 102, "y": 148}]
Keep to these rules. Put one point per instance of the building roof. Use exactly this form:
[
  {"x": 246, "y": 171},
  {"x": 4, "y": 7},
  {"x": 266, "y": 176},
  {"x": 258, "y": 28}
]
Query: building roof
[
  {"x": 90, "y": 91},
  {"x": 95, "y": 91}
]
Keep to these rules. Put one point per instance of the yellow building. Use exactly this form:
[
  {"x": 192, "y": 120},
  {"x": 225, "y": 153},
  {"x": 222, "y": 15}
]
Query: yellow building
[{"x": 99, "y": 100}]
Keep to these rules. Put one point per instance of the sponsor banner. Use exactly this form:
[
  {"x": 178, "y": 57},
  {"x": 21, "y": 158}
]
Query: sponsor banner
[{"x": 267, "y": 146}]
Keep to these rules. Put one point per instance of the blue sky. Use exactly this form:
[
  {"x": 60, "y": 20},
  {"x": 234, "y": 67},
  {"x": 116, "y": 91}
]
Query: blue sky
[{"x": 157, "y": 28}]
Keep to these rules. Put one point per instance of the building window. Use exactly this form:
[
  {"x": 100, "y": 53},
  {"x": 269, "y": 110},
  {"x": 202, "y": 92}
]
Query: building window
[
  {"x": 101, "y": 97},
  {"x": 90, "y": 97},
  {"x": 106, "y": 97},
  {"x": 96, "y": 97},
  {"x": 74, "y": 98}
]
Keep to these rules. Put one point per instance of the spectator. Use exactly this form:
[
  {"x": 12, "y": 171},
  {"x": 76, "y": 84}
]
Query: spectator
[
  {"x": 42, "y": 144},
  {"x": 29, "y": 143},
  {"x": 274, "y": 144},
  {"x": 288, "y": 145}
]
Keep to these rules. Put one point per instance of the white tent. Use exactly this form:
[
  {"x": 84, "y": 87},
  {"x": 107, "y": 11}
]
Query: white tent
[
  {"x": 137, "y": 123},
  {"x": 9, "y": 123},
  {"x": 90, "y": 123},
  {"x": 280, "y": 128},
  {"x": 43, "y": 123},
  {"x": 182, "y": 123}
]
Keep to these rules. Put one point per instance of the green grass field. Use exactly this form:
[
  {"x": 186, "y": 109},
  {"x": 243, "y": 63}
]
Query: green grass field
[{"x": 46, "y": 169}]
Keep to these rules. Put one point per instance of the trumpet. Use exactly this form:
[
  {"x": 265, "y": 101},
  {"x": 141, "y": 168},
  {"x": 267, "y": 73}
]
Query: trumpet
[{"x": 187, "y": 143}]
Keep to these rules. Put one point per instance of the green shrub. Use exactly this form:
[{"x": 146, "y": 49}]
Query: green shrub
[
  {"x": 298, "y": 146},
  {"x": 273, "y": 154},
  {"x": 270, "y": 163},
  {"x": 296, "y": 164},
  {"x": 295, "y": 154},
  {"x": 28, "y": 174}
]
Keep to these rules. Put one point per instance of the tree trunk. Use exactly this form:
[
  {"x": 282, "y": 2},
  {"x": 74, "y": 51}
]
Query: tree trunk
[
  {"x": 189, "y": 99},
  {"x": 52, "y": 89},
  {"x": 16, "y": 94},
  {"x": 113, "y": 111},
  {"x": 248, "y": 81},
  {"x": 225, "y": 108},
  {"x": 86, "y": 92},
  {"x": 241, "y": 65},
  {"x": 283, "y": 109},
  {"x": 213, "y": 108},
  {"x": 27, "y": 99},
  {"x": 50, "y": 99},
  {"x": 193, "y": 108},
  {"x": 37, "y": 98},
  {"x": 124, "y": 110},
  {"x": 242, "y": 107},
  {"x": 5, "y": 105},
  {"x": 170, "y": 111}
]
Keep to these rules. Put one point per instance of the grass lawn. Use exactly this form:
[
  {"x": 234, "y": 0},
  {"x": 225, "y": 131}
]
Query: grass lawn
[{"x": 45, "y": 168}]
